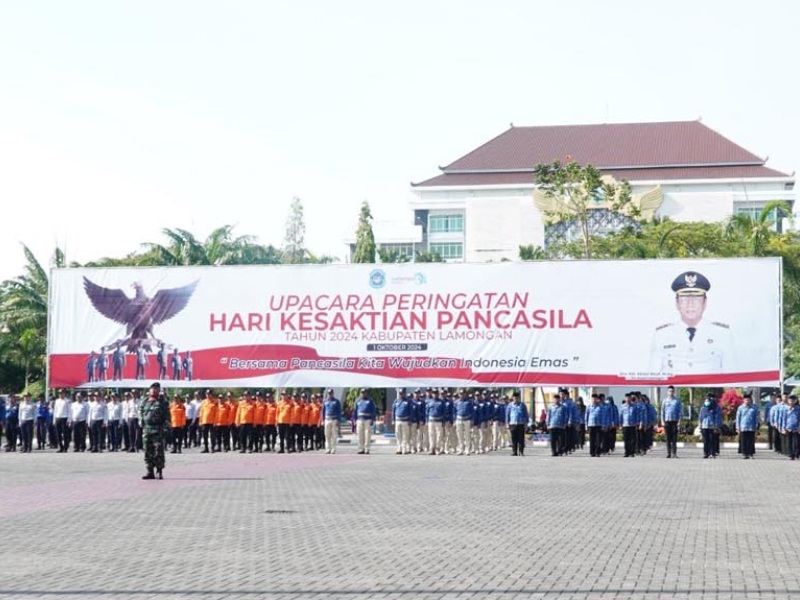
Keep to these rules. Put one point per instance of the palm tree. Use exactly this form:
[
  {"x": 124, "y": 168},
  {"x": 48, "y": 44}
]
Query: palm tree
[
  {"x": 219, "y": 248},
  {"x": 757, "y": 231}
]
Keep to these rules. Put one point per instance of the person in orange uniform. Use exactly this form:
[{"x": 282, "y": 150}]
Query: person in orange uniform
[
  {"x": 208, "y": 417},
  {"x": 271, "y": 424},
  {"x": 259, "y": 421},
  {"x": 297, "y": 422},
  {"x": 245, "y": 419},
  {"x": 177, "y": 420},
  {"x": 220, "y": 426},
  {"x": 284, "y": 419},
  {"x": 314, "y": 416},
  {"x": 230, "y": 437}
]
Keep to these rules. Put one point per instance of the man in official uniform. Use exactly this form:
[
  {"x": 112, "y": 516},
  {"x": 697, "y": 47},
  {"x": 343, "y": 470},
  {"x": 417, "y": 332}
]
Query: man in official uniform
[
  {"x": 557, "y": 422},
  {"x": 402, "y": 413},
  {"x": 517, "y": 420},
  {"x": 671, "y": 413},
  {"x": 746, "y": 425},
  {"x": 365, "y": 415},
  {"x": 690, "y": 344},
  {"x": 331, "y": 416},
  {"x": 155, "y": 426},
  {"x": 773, "y": 400}
]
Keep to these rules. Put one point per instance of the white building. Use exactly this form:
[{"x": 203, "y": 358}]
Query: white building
[{"x": 480, "y": 208}]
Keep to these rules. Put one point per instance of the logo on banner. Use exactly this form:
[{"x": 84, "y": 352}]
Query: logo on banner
[
  {"x": 140, "y": 313},
  {"x": 377, "y": 279}
]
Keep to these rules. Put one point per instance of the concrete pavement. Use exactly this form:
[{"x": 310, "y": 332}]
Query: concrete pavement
[{"x": 386, "y": 526}]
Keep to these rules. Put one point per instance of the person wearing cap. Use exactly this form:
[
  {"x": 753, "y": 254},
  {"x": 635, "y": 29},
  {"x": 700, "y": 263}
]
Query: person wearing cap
[
  {"x": 97, "y": 420},
  {"x": 790, "y": 426},
  {"x": 79, "y": 413},
  {"x": 331, "y": 416},
  {"x": 365, "y": 416},
  {"x": 271, "y": 423},
  {"x": 773, "y": 400},
  {"x": 434, "y": 411},
  {"x": 207, "y": 419},
  {"x": 27, "y": 416},
  {"x": 413, "y": 423},
  {"x": 284, "y": 420},
  {"x": 259, "y": 423},
  {"x": 746, "y": 424},
  {"x": 499, "y": 423},
  {"x": 671, "y": 414},
  {"x": 402, "y": 410},
  {"x": 517, "y": 420},
  {"x": 710, "y": 423},
  {"x": 114, "y": 413},
  {"x": 692, "y": 344},
  {"x": 245, "y": 419},
  {"x": 61, "y": 418},
  {"x": 154, "y": 414},
  {"x": 177, "y": 420}
]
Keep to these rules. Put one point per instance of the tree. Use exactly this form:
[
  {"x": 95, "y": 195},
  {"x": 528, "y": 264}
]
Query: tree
[
  {"x": 23, "y": 314},
  {"x": 757, "y": 231},
  {"x": 393, "y": 256},
  {"x": 365, "y": 238},
  {"x": 428, "y": 256},
  {"x": 221, "y": 247},
  {"x": 294, "y": 249},
  {"x": 570, "y": 192},
  {"x": 531, "y": 252}
]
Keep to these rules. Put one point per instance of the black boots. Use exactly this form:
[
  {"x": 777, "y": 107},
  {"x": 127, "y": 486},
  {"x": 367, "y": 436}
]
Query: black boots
[{"x": 150, "y": 474}]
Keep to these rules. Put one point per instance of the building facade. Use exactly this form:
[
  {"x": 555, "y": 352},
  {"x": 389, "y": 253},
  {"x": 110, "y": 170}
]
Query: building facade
[{"x": 482, "y": 206}]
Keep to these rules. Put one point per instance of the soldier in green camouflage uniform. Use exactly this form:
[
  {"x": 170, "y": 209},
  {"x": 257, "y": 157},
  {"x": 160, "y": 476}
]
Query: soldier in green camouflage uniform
[{"x": 155, "y": 425}]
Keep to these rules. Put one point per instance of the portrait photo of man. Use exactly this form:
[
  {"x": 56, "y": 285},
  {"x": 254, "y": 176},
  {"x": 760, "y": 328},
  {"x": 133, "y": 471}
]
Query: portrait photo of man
[{"x": 692, "y": 342}]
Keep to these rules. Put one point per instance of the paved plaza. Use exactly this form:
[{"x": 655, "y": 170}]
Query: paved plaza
[{"x": 386, "y": 526}]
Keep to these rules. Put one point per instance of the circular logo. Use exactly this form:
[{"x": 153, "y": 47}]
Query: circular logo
[{"x": 377, "y": 278}]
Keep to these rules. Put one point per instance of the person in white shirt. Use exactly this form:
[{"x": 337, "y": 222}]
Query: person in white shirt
[
  {"x": 192, "y": 415},
  {"x": 79, "y": 412},
  {"x": 97, "y": 420},
  {"x": 61, "y": 418},
  {"x": 134, "y": 430},
  {"x": 114, "y": 410},
  {"x": 27, "y": 415}
]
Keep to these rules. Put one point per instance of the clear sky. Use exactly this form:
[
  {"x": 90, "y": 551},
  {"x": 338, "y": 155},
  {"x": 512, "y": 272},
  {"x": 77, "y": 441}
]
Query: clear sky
[{"x": 118, "y": 119}]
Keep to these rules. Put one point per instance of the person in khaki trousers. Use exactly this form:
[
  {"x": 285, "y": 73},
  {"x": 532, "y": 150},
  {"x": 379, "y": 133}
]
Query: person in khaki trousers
[
  {"x": 365, "y": 417},
  {"x": 331, "y": 416}
]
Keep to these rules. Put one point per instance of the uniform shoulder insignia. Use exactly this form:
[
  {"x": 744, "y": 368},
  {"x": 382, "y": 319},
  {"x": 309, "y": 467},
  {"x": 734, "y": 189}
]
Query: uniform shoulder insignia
[
  {"x": 721, "y": 324},
  {"x": 664, "y": 325}
]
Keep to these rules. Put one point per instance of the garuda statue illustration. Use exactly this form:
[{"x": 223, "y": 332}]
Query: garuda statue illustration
[{"x": 140, "y": 313}]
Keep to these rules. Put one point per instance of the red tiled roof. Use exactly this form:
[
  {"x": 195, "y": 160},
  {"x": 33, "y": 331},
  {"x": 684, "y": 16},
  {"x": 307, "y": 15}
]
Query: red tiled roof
[
  {"x": 633, "y": 175},
  {"x": 606, "y": 145}
]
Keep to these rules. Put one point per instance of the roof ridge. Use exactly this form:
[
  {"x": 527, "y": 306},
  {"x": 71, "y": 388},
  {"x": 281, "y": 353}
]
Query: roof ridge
[{"x": 486, "y": 143}]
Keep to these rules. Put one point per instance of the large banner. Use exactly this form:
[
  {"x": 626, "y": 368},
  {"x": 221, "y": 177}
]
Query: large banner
[{"x": 589, "y": 323}]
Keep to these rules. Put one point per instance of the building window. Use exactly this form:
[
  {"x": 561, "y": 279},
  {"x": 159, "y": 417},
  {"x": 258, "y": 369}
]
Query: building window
[
  {"x": 446, "y": 223},
  {"x": 754, "y": 212},
  {"x": 449, "y": 250},
  {"x": 400, "y": 250}
]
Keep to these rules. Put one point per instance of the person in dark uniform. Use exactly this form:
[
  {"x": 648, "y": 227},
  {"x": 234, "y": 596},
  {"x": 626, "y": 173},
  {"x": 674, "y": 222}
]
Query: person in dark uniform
[
  {"x": 557, "y": 420},
  {"x": 118, "y": 363},
  {"x": 177, "y": 365},
  {"x": 161, "y": 359},
  {"x": 671, "y": 413},
  {"x": 746, "y": 424},
  {"x": 91, "y": 365},
  {"x": 155, "y": 427},
  {"x": 710, "y": 422}
]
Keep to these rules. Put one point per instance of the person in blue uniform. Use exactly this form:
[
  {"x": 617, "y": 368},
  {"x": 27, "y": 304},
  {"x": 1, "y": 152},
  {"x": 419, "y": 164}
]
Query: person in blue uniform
[
  {"x": 631, "y": 418},
  {"x": 596, "y": 418},
  {"x": 557, "y": 421},
  {"x": 434, "y": 412},
  {"x": 671, "y": 414},
  {"x": 365, "y": 416},
  {"x": 773, "y": 400},
  {"x": 790, "y": 424},
  {"x": 464, "y": 409},
  {"x": 517, "y": 420},
  {"x": 402, "y": 413},
  {"x": 710, "y": 423},
  {"x": 747, "y": 424}
]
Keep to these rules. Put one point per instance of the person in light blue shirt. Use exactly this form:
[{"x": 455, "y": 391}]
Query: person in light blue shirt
[
  {"x": 773, "y": 399},
  {"x": 631, "y": 418},
  {"x": 557, "y": 421},
  {"x": 774, "y": 420},
  {"x": 402, "y": 413},
  {"x": 671, "y": 413},
  {"x": 597, "y": 420},
  {"x": 710, "y": 423},
  {"x": 614, "y": 422},
  {"x": 790, "y": 427},
  {"x": 331, "y": 417},
  {"x": 517, "y": 420},
  {"x": 746, "y": 425}
]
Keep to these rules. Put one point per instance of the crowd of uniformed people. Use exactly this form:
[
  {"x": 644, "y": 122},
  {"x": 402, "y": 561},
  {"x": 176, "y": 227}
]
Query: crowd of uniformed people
[{"x": 432, "y": 421}]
